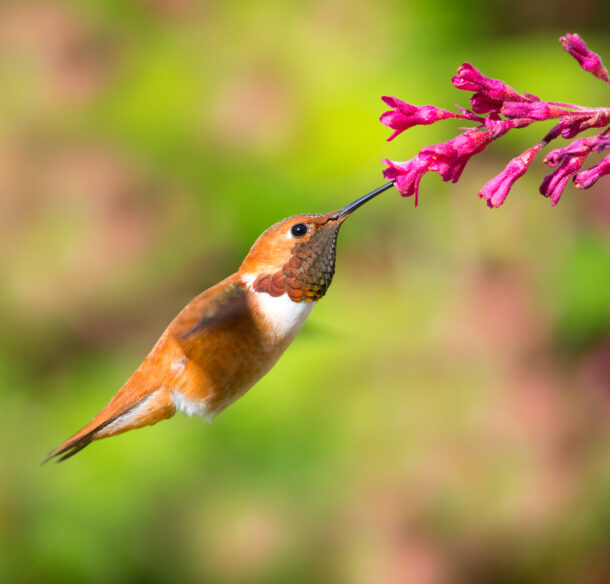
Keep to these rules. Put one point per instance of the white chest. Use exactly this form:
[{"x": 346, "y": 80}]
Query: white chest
[{"x": 282, "y": 317}]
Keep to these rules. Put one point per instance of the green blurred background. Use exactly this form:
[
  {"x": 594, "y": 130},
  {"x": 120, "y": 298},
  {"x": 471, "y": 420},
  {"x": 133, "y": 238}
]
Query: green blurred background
[{"x": 443, "y": 416}]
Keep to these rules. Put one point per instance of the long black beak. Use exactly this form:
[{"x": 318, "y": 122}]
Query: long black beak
[{"x": 348, "y": 209}]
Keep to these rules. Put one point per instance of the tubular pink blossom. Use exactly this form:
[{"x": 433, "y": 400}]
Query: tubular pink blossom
[
  {"x": 482, "y": 104},
  {"x": 471, "y": 79},
  {"x": 404, "y": 115},
  {"x": 497, "y": 189},
  {"x": 450, "y": 158},
  {"x": 587, "y": 59},
  {"x": 408, "y": 174},
  {"x": 554, "y": 183},
  {"x": 587, "y": 178},
  {"x": 597, "y": 119},
  {"x": 578, "y": 147},
  {"x": 538, "y": 110}
]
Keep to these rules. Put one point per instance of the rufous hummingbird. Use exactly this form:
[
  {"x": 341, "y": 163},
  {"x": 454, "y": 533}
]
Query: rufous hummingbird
[{"x": 227, "y": 338}]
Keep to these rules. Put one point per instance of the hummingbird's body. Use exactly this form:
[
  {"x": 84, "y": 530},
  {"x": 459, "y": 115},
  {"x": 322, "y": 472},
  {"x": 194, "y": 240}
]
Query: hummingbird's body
[{"x": 227, "y": 338}]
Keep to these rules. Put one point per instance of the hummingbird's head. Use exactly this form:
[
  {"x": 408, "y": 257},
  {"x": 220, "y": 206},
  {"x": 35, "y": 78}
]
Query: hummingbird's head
[{"x": 297, "y": 255}]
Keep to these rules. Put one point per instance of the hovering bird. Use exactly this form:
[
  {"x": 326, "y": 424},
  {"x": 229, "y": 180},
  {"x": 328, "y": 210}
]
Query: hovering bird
[{"x": 227, "y": 338}]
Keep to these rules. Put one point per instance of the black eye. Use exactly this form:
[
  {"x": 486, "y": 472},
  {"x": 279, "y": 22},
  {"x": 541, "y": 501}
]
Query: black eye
[{"x": 298, "y": 230}]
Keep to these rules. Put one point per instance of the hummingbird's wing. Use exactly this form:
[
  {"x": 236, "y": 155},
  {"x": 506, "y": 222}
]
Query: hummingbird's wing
[
  {"x": 146, "y": 397},
  {"x": 221, "y": 350},
  {"x": 209, "y": 312}
]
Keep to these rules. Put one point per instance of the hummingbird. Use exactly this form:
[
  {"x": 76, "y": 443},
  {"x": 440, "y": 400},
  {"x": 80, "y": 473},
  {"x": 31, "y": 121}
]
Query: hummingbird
[{"x": 229, "y": 336}]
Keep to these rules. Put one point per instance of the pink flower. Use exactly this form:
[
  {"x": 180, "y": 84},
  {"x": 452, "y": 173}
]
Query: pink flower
[
  {"x": 553, "y": 184},
  {"x": 587, "y": 59},
  {"x": 596, "y": 119},
  {"x": 450, "y": 158},
  {"x": 496, "y": 109},
  {"x": 578, "y": 147},
  {"x": 482, "y": 104},
  {"x": 404, "y": 115},
  {"x": 538, "y": 110},
  {"x": 497, "y": 189},
  {"x": 587, "y": 178},
  {"x": 493, "y": 90},
  {"x": 408, "y": 174},
  {"x": 570, "y": 160}
]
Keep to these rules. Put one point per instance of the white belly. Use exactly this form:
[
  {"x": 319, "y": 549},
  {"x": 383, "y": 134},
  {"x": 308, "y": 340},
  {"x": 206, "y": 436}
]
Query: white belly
[{"x": 284, "y": 317}]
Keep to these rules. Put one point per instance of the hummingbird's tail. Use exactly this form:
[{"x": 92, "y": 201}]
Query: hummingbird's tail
[{"x": 123, "y": 413}]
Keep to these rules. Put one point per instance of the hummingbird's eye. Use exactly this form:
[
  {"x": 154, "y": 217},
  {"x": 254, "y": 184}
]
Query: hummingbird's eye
[{"x": 298, "y": 230}]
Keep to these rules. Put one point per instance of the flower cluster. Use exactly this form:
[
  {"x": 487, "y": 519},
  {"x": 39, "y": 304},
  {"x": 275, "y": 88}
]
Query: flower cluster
[{"x": 497, "y": 108}]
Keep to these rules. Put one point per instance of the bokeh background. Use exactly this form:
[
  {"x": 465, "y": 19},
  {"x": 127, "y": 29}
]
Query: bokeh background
[{"x": 443, "y": 416}]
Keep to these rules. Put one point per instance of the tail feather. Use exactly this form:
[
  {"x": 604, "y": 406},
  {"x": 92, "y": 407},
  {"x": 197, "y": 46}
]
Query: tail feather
[
  {"x": 69, "y": 450},
  {"x": 148, "y": 409}
]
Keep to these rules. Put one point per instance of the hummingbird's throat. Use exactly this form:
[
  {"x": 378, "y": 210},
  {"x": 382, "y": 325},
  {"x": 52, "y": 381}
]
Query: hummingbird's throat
[{"x": 309, "y": 271}]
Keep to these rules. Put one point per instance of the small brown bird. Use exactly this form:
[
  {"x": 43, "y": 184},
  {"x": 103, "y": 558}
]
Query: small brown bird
[{"x": 228, "y": 337}]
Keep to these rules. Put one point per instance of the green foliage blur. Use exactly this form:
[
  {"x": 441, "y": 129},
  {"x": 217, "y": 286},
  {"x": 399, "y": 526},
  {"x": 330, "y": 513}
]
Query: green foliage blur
[{"x": 443, "y": 416}]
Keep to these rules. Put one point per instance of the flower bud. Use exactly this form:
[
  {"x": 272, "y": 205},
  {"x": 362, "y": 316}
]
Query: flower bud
[
  {"x": 552, "y": 186},
  {"x": 497, "y": 189},
  {"x": 587, "y": 59},
  {"x": 404, "y": 115},
  {"x": 587, "y": 178}
]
